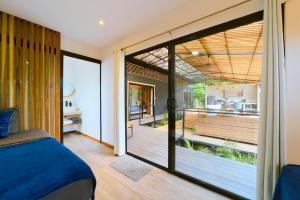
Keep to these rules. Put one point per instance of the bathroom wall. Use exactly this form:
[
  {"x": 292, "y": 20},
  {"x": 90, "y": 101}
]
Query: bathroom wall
[{"x": 85, "y": 76}]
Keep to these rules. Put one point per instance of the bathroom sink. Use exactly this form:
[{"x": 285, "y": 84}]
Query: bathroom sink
[
  {"x": 71, "y": 110},
  {"x": 67, "y": 121}
]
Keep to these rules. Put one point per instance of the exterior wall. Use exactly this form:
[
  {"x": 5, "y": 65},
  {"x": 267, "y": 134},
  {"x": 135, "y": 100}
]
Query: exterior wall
[
  {"x": 180, "y": 88},
  {"x": 161, "y": 92}
]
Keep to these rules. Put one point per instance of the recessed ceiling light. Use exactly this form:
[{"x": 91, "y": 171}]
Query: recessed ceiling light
[
  {"x": 195, "y": 53},
  {"x": 101, "y": 22}
]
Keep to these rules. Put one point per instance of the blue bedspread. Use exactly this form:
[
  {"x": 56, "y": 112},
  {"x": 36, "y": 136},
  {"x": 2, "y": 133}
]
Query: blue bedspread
[
  {"x": 288, "y": 185},
  {"x": 34, "y": 169}
]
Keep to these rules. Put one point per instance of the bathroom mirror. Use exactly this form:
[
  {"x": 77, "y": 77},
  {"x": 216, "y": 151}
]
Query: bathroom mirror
[{"x": 69, "y": 89}]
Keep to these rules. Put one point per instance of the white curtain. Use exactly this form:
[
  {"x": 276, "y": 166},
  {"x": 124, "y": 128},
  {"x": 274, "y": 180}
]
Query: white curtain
[
  {"x": 119, "y": 97},
  {"x": 272, "y": 137}
]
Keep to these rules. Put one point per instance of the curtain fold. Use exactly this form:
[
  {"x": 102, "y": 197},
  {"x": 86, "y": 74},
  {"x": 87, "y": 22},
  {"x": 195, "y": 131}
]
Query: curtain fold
[
  {"x": 119, "y": 97},
  {"x": 272, "y": 137}
]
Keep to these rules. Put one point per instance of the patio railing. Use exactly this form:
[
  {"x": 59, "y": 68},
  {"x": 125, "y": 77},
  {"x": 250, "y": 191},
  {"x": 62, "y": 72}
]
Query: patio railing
[{"x": 237, "y": 126}]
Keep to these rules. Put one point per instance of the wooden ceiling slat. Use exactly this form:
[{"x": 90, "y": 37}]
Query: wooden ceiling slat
[
  {"x": 252, "y": 58},
  {"x": 228, "y": 53},
  {"x": 236, "y": 55}
]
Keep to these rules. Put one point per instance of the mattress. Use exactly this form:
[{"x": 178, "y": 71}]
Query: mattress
[{"x": 81, "y": 188}]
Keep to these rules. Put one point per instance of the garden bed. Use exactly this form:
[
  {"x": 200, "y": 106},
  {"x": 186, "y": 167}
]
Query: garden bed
[
  {"x": 161, "y": 122},
  {"x": 228, "y": 151}
]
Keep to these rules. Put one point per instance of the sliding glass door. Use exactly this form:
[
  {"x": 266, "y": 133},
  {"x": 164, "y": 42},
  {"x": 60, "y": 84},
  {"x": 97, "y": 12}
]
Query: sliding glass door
[
  {"x": 147, "y": 112},
  {"x": 193, "y": 106},
  {"x": 217, "y": 93}
]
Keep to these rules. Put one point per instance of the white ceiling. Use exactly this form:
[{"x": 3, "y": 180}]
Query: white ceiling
[{"x": 78, "y": 19}]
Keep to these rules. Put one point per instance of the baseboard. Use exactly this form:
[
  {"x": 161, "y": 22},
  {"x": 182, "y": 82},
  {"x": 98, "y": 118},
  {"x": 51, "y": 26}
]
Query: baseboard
[
  {"x": 94, "y": 139},
  {"x": 88, "y": 136},
  {"x": 68, "y": 132},
  {"x": 107, "y": 144}
]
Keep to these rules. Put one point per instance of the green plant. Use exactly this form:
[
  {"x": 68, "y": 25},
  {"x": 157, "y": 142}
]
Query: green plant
[
  {"x": 187, "y": 144},
  {"x": 199, "y": 94},
  {"x": 225, "y": 152},
  {"x": 179, "y": 117},
  {"x": 162, "y": 122},
  {"x": 203, "y": 149},
  {"x": 247, "y": 158},
  {"x": 165, "y": 115}
]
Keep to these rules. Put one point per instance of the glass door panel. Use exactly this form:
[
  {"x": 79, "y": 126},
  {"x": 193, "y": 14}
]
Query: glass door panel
[
  {"x": 217, "y": 110},
  {"x": 147, "y": 113}
]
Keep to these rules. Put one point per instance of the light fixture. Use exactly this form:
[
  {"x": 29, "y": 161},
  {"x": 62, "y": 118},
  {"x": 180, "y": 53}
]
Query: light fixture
[
  {"x": 101, "y": 22},
  {"x": 195, "y": 53}
]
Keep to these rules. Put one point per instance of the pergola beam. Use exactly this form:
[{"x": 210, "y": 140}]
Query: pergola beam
[
  {"x": 206, "y": 49},
  {"x": 155, "y": 68},
  {"x": 228, "y": 54},
  {"x": 223, "y": 54},
  {"x": 255, "y": 48},
  {"x": 147, "y": 65}
]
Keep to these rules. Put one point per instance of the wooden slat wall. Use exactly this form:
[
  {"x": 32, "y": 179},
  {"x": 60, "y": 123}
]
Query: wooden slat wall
[
  {"x": 18, "y": 67},
  {"x": 57, "y": 86},
  {"x": 30, "y": 73},
  {"x": 11, "y": 56},
  {"x": 3, "y": 59},
  {"x": 52, "y": 88},
  {"x": 37, "y": 76},
  {"x": 24, "y": 108},
  {"x": 42, "y": 80},
  {"x": 31, "y": 77}
]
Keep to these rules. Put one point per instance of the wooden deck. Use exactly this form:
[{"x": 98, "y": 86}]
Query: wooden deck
[{"x": 234, "y": 176}]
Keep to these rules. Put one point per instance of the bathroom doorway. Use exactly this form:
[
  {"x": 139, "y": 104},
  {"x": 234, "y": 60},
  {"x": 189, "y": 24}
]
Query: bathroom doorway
[{"x": 81, "y": 96}]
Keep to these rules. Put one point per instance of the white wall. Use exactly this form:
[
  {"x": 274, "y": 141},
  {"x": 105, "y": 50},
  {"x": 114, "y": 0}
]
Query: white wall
[
  {"x": 292, "y": 31},
  {"x": 85, "y": 76},
  {"x": 74, "y": 46},
  {"x": 175, "y": 18},
  {"x": 108, "y": 101}
]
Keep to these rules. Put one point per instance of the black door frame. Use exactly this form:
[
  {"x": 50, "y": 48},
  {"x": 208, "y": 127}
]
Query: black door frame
[
  {"x": 85, "y": 58},
  {"x": 255, "y": 17}
]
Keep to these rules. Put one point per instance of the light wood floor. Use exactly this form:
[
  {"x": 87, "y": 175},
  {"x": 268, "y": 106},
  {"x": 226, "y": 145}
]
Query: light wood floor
[
  {"x": 111, "y": 185},
  {"x": 231, "y": 175}
]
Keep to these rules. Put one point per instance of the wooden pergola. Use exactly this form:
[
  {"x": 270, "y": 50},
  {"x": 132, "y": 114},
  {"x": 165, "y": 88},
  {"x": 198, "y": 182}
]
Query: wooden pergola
[{"x": 232, "y": 55}]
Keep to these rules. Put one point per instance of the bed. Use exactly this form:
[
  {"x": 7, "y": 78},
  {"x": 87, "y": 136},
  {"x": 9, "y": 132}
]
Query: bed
[
  {"x": 288, "y": 184},
  {"x": 36, "y": 166}
]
